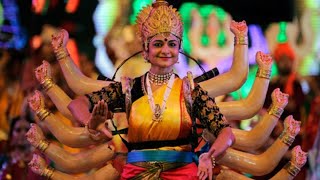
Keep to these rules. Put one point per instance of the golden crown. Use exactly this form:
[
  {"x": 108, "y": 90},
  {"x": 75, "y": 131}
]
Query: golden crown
[{"x": 158, "y": 18}]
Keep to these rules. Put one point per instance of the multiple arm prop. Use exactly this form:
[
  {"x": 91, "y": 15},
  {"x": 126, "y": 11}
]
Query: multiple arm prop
[
  {"x": 248, "y": 107},
  {"x": 223, "y": 84},
  {"x": 255, "y": 138},
  {"x": 56, "y": 94},
  {"x": 65, "y": 161},
  {"x": 227, "y": 82},
  {"x": 262, "y": 164},
  {"x": 76, "y": 80},
  {"x": 233, "y": 79},
  {"x": 39, "y": 166},
  {"x": 288, "y": 172},
  {"x": 68, "y": 135}
]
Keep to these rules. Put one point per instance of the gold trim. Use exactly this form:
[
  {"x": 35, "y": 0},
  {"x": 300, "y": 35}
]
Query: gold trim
[
  {"x": 286, "y": 139},
  {"x": 43, "y": 114},
  {"x": 263, "y": 73},
  {"x": 48, "y": 172},
  {"x": 241, "y": 40},
  {"x": 158, "y": 18},
  {"x": 292, "y": 169},
  {"x": 275, "y": 111},
  {"x": 47, "y": 84},
  {"x": 43, "y": 145}
]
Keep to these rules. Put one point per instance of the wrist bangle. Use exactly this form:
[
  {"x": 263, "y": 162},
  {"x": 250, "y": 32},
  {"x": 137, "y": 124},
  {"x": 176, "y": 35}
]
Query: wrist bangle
[
  {"x": 263, "y": 73},
  {"x": 275, "y": 111},
  {"x": 43, "y": 114},
  {"x": 61, "y": 53},
  {"x": 292, "y": 169},
  {"x": 286, "y": 138},
  {"x": 47, "y": 84},
  {"x": 48, "y": 172},
  {"x": 241, "y": 40},
  {"x": 43, "y": 145}
]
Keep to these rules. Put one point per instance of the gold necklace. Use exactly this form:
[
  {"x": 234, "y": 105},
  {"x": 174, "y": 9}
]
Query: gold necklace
[{"x": 155, "y": 108}]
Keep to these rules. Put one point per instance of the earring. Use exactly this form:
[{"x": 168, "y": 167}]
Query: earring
[{"x": 145, "y": 57}]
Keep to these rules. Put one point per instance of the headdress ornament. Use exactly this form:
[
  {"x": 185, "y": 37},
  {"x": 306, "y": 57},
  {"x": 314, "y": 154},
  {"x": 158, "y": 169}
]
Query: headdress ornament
[
  {"x": 284, "y": 49},
  {"x": 158, "y": 18}
]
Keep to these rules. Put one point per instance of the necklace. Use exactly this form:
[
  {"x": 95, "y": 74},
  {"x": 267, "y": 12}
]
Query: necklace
[
  {"x": 156, "y": 109},
  {"x": 159, "y": 79}
]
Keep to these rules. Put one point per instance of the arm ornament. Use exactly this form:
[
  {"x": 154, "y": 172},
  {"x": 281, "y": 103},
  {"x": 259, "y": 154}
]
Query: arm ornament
[{"x": 264, "y": 73}]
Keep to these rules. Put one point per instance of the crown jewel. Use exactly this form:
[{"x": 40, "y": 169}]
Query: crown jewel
[{"x": 158, "y": 18}]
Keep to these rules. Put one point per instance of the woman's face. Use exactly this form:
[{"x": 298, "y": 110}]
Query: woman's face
[
  {"x": 19, "y": 131},
  {"x": 163, "y": 50},
  {"x": 285, "y": 65}
]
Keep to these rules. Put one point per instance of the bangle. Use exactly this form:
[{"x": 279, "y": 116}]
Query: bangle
[
  {"x": 286, "y": 139},
  {"x": 213, "y": 160},
  {"x": 241, "y": 40},
  {"x": 43, "y": 114},
  {"x": 48, "y": 172},
  {"x": 47, "y": 84},
  {"x": 263, "y": 73},
  {"x": 276, "y": 111},
  {"x": 61, "y": 54},
  {"x": 43, "y": 145},
  {"x": 292, "y": 169}
]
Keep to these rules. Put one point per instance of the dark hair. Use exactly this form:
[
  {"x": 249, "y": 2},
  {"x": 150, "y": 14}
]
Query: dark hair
[{"x": 14, "y": 121}]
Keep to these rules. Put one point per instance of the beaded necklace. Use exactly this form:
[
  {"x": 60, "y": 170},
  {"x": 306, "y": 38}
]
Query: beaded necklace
[
  {"x": 159, "y": 79},
  {"x": 155, "y": 108}
]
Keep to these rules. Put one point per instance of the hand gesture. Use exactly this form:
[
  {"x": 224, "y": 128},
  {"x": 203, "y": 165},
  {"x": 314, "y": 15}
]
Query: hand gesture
[
  {"x": 264, "y": 61},
  {"x": 239, "y": 28},
  {"x": 205, "y": 167},
  {"x": 279, "y": 99},
  {"x": 36, "y": 101},
  {"x": 98, "y": 115},
  {"x": 98, "y": 118},
  {"x": 35, "y": 135},
  {"x": 299, "y": 158},
  {"x": 291, "y": 126},
  {"x": 43, "y": 72},
  {"x": 37, "y": 164},
  {"x": 59, "y": 39}
]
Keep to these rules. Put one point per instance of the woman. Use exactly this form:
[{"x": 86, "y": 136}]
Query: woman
[
  {"x": 13, "y": 165},
  {"x": 161, "y": 107}
]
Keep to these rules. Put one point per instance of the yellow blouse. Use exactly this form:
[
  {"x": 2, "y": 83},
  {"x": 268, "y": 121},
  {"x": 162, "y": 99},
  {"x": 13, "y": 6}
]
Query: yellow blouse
[{"x": 176, "y": 122}]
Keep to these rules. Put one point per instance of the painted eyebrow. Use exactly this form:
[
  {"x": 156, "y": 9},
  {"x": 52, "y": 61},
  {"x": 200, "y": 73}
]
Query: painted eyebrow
[
  {"x": 157, "y": 41},
  {"x": 173, "y": 40}
]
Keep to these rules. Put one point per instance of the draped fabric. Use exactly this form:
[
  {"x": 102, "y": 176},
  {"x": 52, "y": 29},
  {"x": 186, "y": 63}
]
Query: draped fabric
[
  {"x": 176, "y": 125},
  {"x": 186, "y": 172},
  {"x": 175, "y": 122}
]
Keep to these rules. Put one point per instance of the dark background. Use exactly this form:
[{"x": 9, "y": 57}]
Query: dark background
[
  {"x": 262, "y": 12},
  {"x": 80, "y": 25}
]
